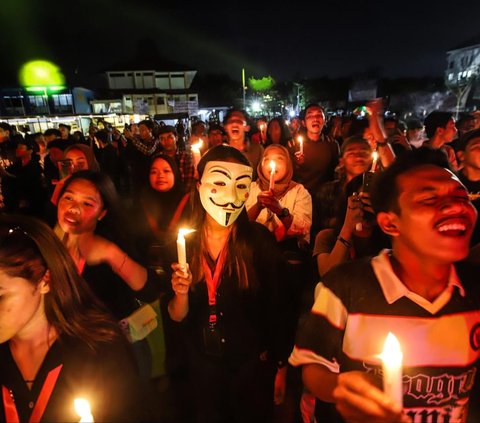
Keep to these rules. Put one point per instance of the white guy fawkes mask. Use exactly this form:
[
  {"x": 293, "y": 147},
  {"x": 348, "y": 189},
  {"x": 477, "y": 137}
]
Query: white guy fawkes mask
[{"x": 223, "y": 190}]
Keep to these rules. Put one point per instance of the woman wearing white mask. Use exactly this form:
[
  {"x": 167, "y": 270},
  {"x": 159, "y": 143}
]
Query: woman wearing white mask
[{"x": 230, "y": 299}]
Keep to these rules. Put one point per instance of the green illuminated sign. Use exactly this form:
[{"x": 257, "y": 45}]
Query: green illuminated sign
[{"x": 40, "y": 75}]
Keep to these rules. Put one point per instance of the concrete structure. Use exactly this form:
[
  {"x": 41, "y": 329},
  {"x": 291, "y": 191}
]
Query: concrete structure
[{"x": 462, "y": 75}]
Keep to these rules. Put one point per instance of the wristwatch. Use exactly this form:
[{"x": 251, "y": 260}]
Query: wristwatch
[{"x": 284, "y": 213}]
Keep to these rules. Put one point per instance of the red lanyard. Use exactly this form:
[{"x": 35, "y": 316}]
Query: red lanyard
[
  {"x": 214, "y": 281},
  {"x": 11, "y": 414}
]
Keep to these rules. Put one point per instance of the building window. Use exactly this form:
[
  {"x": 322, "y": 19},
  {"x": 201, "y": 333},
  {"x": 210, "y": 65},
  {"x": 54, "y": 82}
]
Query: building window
[
  {"x": 62, "y": 99},
  {"x": 37, "y": 100},
  {"x": 13, "y": 102}
]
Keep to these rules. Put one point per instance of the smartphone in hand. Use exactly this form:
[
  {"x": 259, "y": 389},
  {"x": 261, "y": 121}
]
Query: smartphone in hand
[
  {"x": 65, "y": 168},
  {"x": 367, "y": 181}
]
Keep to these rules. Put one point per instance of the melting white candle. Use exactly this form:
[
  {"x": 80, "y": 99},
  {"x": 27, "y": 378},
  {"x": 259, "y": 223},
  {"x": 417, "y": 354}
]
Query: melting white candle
[
  {"x": 82, "y": 408},
  {"x": 181, "y": 250},
  {"x": 374, "y": 161},
  {"x": 272, "y": 175},
  {"x": 392, "y": 358}
]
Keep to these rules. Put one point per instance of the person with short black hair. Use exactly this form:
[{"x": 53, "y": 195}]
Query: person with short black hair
[
  {"x": 65, "y": 134},
  {"x": 52, "y": 134},
  {"x": 216, "y": 135},
  {"x": 413, "y": 291},
  {"x": 30, "y": 191},
  {"x": 169, "y": 141},
  {"x": 108, "y": 157},
  {"x": 315, "y": 163},
  {"x": 7, "y": 159},
  {"x": 440, "y": 130},
  {"x": 140, "y": 147},
  {"x": 415, "y": 132},
  {"x": 237, "y": 126},
  {"x": 468, "y": 151}
]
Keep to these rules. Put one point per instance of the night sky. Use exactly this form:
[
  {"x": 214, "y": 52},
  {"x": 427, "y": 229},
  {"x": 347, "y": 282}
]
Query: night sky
[{"x": 328, "y": 38}]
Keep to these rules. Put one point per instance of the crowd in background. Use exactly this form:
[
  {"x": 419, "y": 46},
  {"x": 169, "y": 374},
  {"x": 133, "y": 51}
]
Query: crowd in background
[{"x": 117, "y": 197}]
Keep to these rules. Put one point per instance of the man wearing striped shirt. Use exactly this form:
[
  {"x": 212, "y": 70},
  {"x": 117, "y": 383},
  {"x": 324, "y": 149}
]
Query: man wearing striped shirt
[{"x": 416, "y": 291}]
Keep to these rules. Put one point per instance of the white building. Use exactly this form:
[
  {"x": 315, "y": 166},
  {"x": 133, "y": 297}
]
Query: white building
[
  {"x": 462, "y": 75},
  {"x": 149, "y": 92}
]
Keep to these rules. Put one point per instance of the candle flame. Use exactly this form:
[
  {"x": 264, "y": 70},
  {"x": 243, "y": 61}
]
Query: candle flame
[
  {"x": 82, "y": 408},
  {"x": 300, "y": 139},
  {"x": 185, "y": 231},
  {"x": 196, "y": 147},
  {"x": 272, "y": 166},
  {"x": 375, "y": 155},
  {"x": 392, "y": 353}
]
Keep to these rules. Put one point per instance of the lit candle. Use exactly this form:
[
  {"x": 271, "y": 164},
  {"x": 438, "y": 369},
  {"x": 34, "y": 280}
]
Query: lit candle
[
  {"x": 272, "y": 175},
  {"x": 374, "y": 161},
  {"x": 392, "y": 358},
  {"x": 181, "y": 251},
  {"x": 196, "y": 152},
  {"x": 82, "y": 408},
  {"x": 300, "y": 141}
]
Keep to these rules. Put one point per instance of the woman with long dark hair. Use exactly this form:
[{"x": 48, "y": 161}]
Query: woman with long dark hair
[
  {"x": 163, "y": 207},
  {"x": 57, "y": 342},
  {"x": 231, "y": 299},
  {"x": 91, "y": 225}
]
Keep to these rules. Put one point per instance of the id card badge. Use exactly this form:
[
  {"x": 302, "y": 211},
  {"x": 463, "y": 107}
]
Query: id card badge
[{"x": 212, "y": 342}]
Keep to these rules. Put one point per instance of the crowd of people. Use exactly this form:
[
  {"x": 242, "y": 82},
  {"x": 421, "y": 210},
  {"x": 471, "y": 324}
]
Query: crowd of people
[{"x": 309, "y": 243}]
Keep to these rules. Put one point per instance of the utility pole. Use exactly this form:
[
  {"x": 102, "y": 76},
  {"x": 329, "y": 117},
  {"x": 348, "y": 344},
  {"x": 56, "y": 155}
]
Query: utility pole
[{"x": 243, "y": 89}]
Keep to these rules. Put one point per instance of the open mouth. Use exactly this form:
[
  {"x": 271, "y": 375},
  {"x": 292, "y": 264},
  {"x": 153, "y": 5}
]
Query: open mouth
[
  {"x": 452, "y": 228},
  {"x": 70, "y": 221}
]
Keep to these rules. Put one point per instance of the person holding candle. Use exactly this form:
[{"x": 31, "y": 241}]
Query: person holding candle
[
  {"x": 230, "y": 299},
  {"x": 260, "y": 135},
  {"x": 286, "y": 210},
  {"x": 57, "y": 341},
  {"x": 199, "y": 133},
  {"x": 316, "y": 163},
  {"x": 163, "y": 206},
  {"x": 420, "y": 291}
]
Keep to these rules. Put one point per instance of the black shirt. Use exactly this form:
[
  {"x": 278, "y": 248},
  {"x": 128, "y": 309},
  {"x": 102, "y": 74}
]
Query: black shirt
[{"x": 107, "y": 378}]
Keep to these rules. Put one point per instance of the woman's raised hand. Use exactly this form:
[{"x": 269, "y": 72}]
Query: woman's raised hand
[{"x": 181, "y": 278}]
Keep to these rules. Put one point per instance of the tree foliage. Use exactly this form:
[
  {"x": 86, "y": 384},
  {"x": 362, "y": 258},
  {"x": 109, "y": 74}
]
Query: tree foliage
[{"x": 261, "y": 85}]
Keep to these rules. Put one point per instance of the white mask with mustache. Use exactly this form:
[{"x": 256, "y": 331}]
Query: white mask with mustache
[{"x": 223, "y": 190}]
